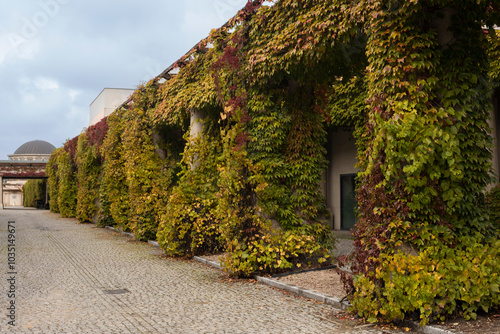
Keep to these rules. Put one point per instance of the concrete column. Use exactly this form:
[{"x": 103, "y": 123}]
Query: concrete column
[
  {"x": 1, "y": 192},
  {"x": 196, "y": 126},
  {"x": 195, "y": 130}
]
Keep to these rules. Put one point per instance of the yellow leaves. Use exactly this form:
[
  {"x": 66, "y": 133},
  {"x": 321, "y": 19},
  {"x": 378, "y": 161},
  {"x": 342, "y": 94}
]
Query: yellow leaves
[{"x": 394, "y": 35}]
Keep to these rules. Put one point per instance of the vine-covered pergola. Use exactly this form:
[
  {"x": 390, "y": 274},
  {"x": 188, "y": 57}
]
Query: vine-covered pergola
[
  {"x": 228, "y": 153},
  {"x": 20, "y": 170}
]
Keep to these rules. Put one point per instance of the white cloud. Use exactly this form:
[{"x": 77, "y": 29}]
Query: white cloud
[
  {"x": 54, "y": 60},
  {"x": 73, "y": 94},
  {"x": 4, "y": 50},
  {"x": 15, "y": 46},
  {"x": 44, "y": 84},
  {"x": 201, "y": 18}
]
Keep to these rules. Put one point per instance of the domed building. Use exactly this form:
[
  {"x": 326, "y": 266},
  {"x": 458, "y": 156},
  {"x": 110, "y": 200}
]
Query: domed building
[{"x": 36, "y": 151}]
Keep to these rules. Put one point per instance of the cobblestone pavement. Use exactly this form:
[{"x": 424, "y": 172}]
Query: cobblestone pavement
[{"x": 77, "y": 278}]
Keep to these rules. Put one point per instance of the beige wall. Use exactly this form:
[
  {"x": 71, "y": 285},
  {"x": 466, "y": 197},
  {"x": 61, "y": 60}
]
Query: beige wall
[
  {"x": 11, "y": 198},
  {"x": 12, "y": 192},
  {"x": 107, "y": 101},
  {"x": 342, "y": 159}
]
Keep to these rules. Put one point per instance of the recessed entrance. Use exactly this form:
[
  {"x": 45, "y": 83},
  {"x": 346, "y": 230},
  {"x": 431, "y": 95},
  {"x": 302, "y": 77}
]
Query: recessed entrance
[{"x": 348, "y": 201}]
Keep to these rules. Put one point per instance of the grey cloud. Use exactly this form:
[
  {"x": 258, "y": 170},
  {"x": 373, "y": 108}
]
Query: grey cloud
[{"x": 84, "y": 46}]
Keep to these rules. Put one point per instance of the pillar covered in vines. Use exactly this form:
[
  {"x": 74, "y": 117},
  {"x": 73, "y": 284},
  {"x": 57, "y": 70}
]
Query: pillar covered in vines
[{"x": 427, "y": 162}]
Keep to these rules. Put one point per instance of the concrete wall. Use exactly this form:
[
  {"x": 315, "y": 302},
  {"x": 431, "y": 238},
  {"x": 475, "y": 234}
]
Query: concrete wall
[
  {"x": 342, "y": 159},
  {"x": 12, "y": 192},
  {"x": 106, "y": 102},
  {"x": 12, "y": 198}
]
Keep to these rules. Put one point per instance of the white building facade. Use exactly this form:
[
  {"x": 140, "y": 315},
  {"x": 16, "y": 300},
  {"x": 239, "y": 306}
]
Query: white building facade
[{"x": 106, "y": 102}]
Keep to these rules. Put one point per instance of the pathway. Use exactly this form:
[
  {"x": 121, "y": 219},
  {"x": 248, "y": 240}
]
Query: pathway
[{"x": 67, "y": 277}]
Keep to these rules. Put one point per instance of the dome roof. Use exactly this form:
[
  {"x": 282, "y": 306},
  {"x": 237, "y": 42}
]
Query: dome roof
[{"x": 35, "y": 147}]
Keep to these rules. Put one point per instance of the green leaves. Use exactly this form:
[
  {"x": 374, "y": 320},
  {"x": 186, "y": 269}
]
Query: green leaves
[
  {"x": 431, "y": 283},
  {"x": 425, "y": 166},
  {"x": 274, "y": 252},
  {"x": 34, "y": 190},
  {"x": 67, "y": 185},
  {"x": 88, "y": 176},
  {"x": 272, "y": 84}
]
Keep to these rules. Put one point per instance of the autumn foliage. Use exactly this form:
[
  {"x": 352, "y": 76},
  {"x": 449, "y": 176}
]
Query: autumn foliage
[{"x": 412, "y": 80}]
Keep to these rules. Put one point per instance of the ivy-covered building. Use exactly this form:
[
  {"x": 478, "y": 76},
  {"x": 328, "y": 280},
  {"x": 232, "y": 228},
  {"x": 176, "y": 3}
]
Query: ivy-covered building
[
  {"x": 106, "y": 102},
  {"x": 254, "y": 141}
]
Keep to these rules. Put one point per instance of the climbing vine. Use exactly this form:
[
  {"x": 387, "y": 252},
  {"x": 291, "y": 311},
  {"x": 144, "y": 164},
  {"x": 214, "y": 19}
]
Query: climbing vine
[
  {"x": 53, "y": 181},
  {"x": 188, "y": 226},
  {"x": 33, "y": 192},
  {"x": 493, "y": 51},
  {"x": 89, "y": 161},
  {"x": 114, "y": 194},
  {"x": 67, "y": 176},
  {"x": 149, "y": 166},
  {"x": 425, "y": 167},
  {"x": 411, "y": 79}
]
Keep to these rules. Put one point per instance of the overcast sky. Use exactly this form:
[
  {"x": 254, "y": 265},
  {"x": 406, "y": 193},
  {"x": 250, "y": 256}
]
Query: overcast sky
[{"x": 56, "y": 56}]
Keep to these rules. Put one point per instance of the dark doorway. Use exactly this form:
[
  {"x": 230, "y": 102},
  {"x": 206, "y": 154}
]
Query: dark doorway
[{"x": 348, "y": 201}]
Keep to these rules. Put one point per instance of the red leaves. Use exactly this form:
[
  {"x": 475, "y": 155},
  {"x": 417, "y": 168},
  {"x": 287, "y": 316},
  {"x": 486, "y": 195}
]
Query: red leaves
[
  {"x": 70, "y": 147},
  {"x": 230, "y": 58},
  {"x": 250, "y": 8},
  {"x": 237, "y": 102},
  {"x": 97, "y": 132},
  {"x": 240, "y": 141}
]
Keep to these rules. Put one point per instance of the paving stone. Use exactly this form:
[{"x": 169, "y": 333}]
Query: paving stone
[{"x": 65, "y": 269}]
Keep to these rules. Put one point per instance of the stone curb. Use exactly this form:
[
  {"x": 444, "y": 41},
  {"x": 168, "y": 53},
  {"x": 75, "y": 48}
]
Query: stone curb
[
  {"x": 120, "y": 231},
  {"x": 207, "y": 262},
  {"x": 311, "y": 294},
  {"x": 427, "y": 329},
  {"x": 154, "y": 243},
  {"x": 330, "y": 300},
  {"x": 337, "y": 303},
  {"x": 151, "y": 242}
]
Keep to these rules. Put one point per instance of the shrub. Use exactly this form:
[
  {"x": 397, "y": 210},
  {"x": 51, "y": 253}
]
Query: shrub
[{"x": 275, "y": 251}]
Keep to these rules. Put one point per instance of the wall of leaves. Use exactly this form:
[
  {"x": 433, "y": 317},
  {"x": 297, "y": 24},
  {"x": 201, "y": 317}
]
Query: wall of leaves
[
  {"x": 412, "y": 79},
  {"x": 34, "y": 193}
]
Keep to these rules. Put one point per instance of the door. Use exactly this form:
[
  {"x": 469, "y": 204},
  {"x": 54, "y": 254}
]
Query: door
[{"x": 348, "y": 201}]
